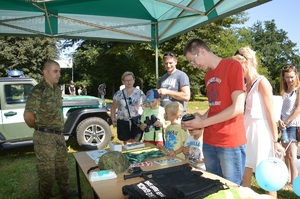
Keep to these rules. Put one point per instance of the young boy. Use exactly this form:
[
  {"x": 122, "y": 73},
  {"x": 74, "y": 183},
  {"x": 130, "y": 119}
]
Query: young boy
[
  {"x": 175, "y": 135},
  {"x": 193, "y": 148},
  {"x": 153, "y": 119}
]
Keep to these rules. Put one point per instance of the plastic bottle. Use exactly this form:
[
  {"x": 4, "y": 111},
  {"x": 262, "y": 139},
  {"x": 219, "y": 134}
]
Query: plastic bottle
[{"x": 284, "y": 136}]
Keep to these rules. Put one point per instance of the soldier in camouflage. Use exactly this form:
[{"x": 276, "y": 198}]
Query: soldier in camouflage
[{"x": 43, "y": 112}]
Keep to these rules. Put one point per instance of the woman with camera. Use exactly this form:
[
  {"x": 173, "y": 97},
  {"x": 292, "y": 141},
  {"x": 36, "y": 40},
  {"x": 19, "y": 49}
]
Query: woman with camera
[{"x": 126, "y": 105}]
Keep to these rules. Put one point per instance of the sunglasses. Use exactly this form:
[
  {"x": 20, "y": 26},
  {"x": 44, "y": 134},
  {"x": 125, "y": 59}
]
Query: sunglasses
[
  {"x": 170, "y": 54},
  {"x": 238, "y": 53},
  {"x": 287, "y": 67},
  {"x": 130, "y": 100}
]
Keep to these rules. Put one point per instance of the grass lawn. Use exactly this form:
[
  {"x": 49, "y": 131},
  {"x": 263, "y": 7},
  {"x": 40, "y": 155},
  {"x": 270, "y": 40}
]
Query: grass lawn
[{"x": 18, "y": 173}]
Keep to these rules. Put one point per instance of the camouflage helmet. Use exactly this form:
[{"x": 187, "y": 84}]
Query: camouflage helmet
[{"x": 113, "y": 160}]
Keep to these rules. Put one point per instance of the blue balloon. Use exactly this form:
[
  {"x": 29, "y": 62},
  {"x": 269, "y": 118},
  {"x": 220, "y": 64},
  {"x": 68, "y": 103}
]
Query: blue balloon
[
  {"x": 296, "y": 186},
  {"x": 271, "y": 174}
]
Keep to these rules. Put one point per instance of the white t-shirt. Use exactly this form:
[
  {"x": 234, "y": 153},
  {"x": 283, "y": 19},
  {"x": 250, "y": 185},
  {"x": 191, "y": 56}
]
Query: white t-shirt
[{"x": 195, "y": 155}]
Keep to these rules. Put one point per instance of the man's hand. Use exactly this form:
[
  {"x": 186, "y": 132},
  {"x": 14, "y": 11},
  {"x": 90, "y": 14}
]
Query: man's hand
[
  {"x": 29, "y": 118},
  {"x": 163, "y": 91}
]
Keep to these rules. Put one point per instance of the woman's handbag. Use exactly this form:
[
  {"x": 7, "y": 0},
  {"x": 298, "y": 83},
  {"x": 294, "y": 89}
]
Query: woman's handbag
[{"x": 134, "y": 121}]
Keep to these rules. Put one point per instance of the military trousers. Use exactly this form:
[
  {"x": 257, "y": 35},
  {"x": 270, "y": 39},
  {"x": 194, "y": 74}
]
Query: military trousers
[{"x": 52, "y": 163}]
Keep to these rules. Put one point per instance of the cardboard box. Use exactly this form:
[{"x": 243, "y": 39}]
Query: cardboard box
[{"x": 115, "y": 146}]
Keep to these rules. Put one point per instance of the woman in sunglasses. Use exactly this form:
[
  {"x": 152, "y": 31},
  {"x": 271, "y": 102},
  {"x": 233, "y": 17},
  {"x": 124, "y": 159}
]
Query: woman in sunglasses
[
  {"x": 259, "y": 117},
  {"x": 289, "y": 90}
]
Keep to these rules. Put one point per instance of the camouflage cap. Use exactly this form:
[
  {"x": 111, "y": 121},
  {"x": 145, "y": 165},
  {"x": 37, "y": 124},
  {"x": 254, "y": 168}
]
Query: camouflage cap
[{"x": 113, "y": 160}]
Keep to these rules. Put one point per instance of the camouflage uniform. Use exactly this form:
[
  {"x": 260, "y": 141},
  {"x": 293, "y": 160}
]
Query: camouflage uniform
[{"x": 50, "y": 148}]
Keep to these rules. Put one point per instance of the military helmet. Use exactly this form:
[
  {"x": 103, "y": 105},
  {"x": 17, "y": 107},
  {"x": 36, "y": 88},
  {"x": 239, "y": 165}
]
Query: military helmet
[{"x": 114, "y": 160}]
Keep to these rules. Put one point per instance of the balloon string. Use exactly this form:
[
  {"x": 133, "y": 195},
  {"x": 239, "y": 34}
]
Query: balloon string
[
  {"x": 278, "y": 153},
  {"x": 288, "y": 146}
]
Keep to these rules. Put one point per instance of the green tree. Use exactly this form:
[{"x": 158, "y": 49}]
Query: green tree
[
  {"x": 102, "y": 61},
  {"x": 274, "y": 49},
  {"x": 26, "y": 54}
]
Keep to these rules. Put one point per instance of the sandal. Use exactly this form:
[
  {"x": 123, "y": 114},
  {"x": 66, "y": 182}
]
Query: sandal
[{"x": 288, "y": 187}]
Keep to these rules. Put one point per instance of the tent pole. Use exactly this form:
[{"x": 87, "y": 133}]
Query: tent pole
[
  {"x": 156, "y": 51},
  {"x": 156, "y": 60}
]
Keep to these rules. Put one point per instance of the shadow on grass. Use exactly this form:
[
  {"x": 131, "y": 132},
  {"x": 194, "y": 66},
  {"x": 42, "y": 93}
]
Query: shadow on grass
[
  {"x": 17, "y": 152},
  {"x": 281, "y": 194}
]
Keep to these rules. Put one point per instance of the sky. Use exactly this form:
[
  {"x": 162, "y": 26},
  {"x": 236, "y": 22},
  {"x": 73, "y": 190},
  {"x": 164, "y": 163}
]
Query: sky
[{"x": 286, "y": 14}]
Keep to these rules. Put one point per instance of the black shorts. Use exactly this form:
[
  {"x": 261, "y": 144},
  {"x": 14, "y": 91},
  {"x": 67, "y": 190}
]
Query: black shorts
[{"x": 124, "y": 132}]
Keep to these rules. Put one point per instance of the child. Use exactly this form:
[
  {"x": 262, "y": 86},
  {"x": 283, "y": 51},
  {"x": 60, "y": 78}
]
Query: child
[
  {"x": 193, "y": 148},
  {"x": 175, "y": 135},
  {"x": 153, "y": 119}
]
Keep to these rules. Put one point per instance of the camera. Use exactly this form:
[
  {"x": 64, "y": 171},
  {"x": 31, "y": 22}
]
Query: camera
[
  {"x": 150, "y": 121},
  {"x": 188, "y": 117}
]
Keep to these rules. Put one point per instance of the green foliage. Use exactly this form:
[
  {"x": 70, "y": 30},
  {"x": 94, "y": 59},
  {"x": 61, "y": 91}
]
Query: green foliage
[
  {"x": 273, "y": 47},
  {"x": 102, "y": 61},
  {"x": 97, "y": 61},
  {"x": 26, "y": 54}
]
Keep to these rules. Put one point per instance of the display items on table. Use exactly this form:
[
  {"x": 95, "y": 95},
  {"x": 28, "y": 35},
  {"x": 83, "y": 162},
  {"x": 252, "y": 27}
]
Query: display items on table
[
  {"x": 172, "y": 182},
  {"x": 142, "y": 164},
  {"x": 109, "y": 164},
  {"x": 143, "y": 155},
  {"x": 167, "y": 161},
  {"x": 115, "y": 146},
  {"x": 96, "y": 154},
  {"x": 102, "y": 175},
  {"x": 134, "y": 145}
]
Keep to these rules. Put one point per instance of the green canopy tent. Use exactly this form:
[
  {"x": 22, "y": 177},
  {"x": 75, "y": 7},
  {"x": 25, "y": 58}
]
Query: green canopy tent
[{"x": 149, "y": 21}]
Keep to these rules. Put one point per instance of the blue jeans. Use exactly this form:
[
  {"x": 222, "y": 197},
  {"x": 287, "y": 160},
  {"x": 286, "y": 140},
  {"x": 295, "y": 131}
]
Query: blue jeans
[
  {"x": 228, "y": 163},
  {"x": 292, "y": 133}
]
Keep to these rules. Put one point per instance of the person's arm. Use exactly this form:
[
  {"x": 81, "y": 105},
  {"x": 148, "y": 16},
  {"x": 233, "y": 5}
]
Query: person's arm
[
  {"x": 185, "y": 150},
  {"x": 235, "y": 109},
  {"x": 176, "y": 152},
  {"x": 183, "y": 95},
  {"x": 29, "y": 118},
  {"x": 265, "y": 90}
]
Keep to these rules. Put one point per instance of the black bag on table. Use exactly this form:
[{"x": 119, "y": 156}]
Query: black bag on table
[{"x": 174, "y": 182}]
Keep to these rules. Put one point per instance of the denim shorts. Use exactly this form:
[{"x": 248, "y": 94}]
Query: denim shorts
[
  {"x": 228, "y": 163},
  {"x": 292, "y": 133}
]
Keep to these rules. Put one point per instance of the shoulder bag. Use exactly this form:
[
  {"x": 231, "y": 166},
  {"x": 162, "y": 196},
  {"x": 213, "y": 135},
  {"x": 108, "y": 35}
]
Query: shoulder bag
[{"x": 136, "y": 120}]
